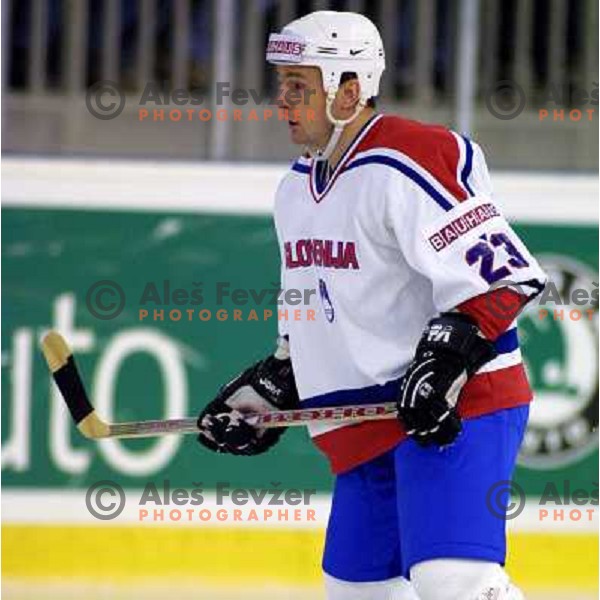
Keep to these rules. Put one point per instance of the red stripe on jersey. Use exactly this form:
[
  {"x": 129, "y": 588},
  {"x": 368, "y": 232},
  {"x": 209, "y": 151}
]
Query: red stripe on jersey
[
  {"x": 433, "y": 147},
  {"x": 352, "y": 445},
  {"x": 489, "y": 392},
  {"x": 495, "y": 311}
]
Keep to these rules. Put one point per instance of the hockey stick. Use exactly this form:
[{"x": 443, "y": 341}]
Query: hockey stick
[{"x": 62, "y": 365}]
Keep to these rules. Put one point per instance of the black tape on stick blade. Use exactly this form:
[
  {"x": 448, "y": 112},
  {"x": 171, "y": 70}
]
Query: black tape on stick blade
[{"x": 71, "y": 387}]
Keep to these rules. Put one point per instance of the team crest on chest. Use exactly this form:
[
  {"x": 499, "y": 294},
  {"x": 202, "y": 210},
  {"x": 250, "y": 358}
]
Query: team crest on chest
[{"x": 326, "y": 300}]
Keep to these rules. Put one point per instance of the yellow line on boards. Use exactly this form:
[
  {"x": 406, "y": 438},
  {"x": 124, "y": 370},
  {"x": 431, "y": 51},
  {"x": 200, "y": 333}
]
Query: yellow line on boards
[{"x": 230, "y": 555}]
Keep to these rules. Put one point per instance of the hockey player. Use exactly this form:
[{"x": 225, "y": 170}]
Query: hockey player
[{"x": 393, "y": 222}]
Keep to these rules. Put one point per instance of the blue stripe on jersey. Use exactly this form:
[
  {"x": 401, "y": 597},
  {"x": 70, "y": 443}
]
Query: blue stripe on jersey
[
  {"x": 468, "y": 166},
  {"x": 371, "y": 394},
  {"x": 388, "y": 392},
  {"x": 300, "y": 168},
  {"x": 405, "y": 170},
  {"x": 507, "y": 342}
]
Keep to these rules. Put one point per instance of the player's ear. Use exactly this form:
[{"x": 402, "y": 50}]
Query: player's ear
[{"x": 348, "y": 95}]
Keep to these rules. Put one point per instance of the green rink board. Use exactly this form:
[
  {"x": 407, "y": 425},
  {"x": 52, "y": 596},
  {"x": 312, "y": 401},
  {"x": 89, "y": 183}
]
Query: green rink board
[{"x": 51, "y": 258}]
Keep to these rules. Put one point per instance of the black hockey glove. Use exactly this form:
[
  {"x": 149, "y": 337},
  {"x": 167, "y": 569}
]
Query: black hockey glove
[
  {"x": 449, "y": 352},
  {"x": 266, "y": 386}
]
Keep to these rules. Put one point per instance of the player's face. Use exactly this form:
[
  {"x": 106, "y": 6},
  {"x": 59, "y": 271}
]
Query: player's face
[{"x": 301, "y": 94}]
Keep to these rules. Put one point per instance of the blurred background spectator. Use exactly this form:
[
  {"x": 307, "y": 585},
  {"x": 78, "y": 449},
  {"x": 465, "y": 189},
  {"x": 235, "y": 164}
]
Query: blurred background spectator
[{"x": 56, "y": 49}]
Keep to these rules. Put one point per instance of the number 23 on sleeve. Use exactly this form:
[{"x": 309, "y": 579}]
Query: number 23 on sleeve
[{"x": 484, "y": 252}]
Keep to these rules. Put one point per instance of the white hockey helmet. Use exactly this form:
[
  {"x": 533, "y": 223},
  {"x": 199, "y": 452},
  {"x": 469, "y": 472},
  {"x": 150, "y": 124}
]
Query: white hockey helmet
[{"x": 336, "y": 43}]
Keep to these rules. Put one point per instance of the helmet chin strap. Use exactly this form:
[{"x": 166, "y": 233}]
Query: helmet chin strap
[{"x": 338, "y": 126}]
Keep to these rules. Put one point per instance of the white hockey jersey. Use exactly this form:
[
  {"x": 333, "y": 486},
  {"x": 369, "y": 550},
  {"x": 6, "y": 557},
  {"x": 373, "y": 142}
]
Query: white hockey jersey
[{"x": 404, "y": 228}]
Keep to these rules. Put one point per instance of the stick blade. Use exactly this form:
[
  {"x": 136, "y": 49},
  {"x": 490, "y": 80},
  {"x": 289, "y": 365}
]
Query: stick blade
[
  {"x": 56, "y": 351},
  {"x": 64, "y": 371}
]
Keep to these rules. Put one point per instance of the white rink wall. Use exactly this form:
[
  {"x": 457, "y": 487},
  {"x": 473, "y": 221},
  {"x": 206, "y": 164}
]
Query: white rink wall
[{"x": 248, "y": 188}]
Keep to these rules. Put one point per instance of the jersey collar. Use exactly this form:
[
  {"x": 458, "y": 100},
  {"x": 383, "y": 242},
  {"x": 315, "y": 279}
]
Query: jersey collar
[{"x": 319, "y": 195}]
